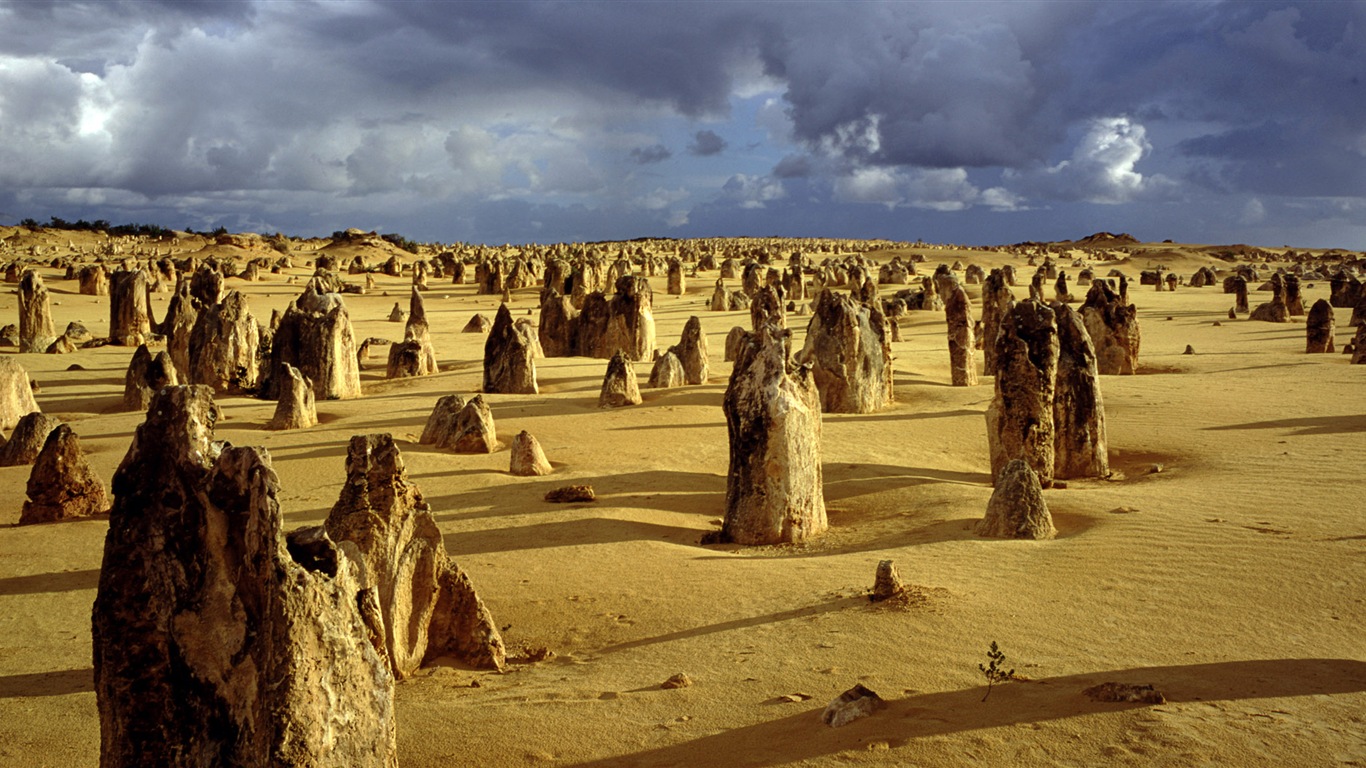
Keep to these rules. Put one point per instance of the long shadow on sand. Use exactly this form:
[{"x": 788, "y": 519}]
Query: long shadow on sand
[
  {"x": 58, "y": 683},
  {"x": 829, "y": 606},
  {"x": 40, "y": 583},
  {"x": 686, "y": 492},
  {"x": 801, "y": 736},
  {"x": 1310, "y": 425},
  {"x": 567, "y": 533}
]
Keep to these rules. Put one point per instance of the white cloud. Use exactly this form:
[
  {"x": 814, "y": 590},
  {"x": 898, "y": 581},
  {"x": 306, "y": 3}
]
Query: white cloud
[
  {"x": 753, "y": 191},
  {"x": 1103, "y": 167}
]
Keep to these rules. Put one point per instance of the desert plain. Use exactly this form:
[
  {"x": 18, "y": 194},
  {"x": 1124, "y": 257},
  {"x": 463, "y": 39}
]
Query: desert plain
[{"x": 1222, "y": 562}]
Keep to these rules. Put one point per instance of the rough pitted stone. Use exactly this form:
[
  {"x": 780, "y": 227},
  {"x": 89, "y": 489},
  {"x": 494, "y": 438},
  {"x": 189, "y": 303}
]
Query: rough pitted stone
[
  {"x": 1274, "y": 311},
  {"x": 1078, "y": 409},
  {"x": 720, "y": 297},
  {"x": 766, "y": 308},
  {"x": 417, "y": 332},
  {"x": 849, "y": 354},
  {"x": 677, "y": 283},
  {"x": 217, "y": 639},
  {"x": 206, "y": 285},
  {"x": 1240, "y": 294},
  {"x": 16, "y": 393},
  {"x": 382, "y": 522},
  {"x": 1294, "y": 300},
  {"x": 571, "y": 494},
  {"x": 181, "y": 316},
  {"x": 1020, "y": 417},
  {"x": 477, "y": 324},
  {"x": 509, "y": 357},
  {"x": 733, "y": 341},
  {"x": 631, "y": 324},
  {"x": 556, "y": 329},
  {"x": 1359, "y": 345},
  {"x": 997, "y": 301},
  {"x": 1113, "y": 326},
  {"x": 619, "y": 387},
  {"x": 527, "y": 459},
  {"x": 93, "y": 280},
  {"x": 26, "y": 442},
  {"x": 473, "y": 430},
  {"x": 691, "y": 350},
  {"x": 667, "y": 372},
  {"x": 1017, "y": 509},
  {"x": 855, "y": 703},
  {"x": 315, "y": 336},
  {"x": 62, "y": 486},
  {"x": 147, "y": 374},
  {"x": 36, "y": 332},
  {"x": 397, "y": 315},
  {"x": 1318, "y": 328},
  {"x": 295, "y": 408},
  {"x": 962, "y": 344},
  {"x": 129, "y": 323},
  {"x": 887, "y": 585},
  {"x": 62, "y": 345},
  {"x": 226, "y": 342},
  {"x": 440, "y": 425},
  {"x": 773, "y": 417}
]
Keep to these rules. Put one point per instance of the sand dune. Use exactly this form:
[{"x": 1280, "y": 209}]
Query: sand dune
[{"x": 1232, "y": 579}]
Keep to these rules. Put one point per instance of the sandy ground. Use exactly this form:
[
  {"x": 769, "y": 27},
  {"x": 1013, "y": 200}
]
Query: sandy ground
[{"x": 1232, "y": 580}]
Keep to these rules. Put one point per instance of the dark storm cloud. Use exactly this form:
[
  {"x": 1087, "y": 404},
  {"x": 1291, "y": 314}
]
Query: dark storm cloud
[
  {"x": 655, "y": 153},
  {"x": 706, "y": 144},
  {"x": 1018, "y": 110}
]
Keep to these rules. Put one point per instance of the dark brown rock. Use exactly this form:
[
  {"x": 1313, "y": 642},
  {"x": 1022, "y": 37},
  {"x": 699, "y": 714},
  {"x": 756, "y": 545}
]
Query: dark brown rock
[
  {"x": 556, "y": 329},
  {"x": 570, "y": 494},
  {"x": 27, "y": 439},
  {"x": 1319, "y": 327},
  {"x": 1125, "y": 693},
  {"x": 1020, "y": 417},
  {"x": 887, "y": 584},
  {"x": 146, "y": 375},
  {"x": 997, "y": 301},
  {"x": 62, "y": 486},
  {"x": 855, "y": 703},
  {"x": 1078, "y": 409},
  {"x": 217, "y": 639}
]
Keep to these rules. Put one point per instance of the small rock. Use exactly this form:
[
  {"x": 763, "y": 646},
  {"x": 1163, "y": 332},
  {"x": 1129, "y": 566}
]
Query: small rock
[
  {"x": 887, "y": 584},
  {"x": 1125, "y": 692},
  {"x": 1155, "y": 469},
  {"x": 1218, "y": 324},
  {"x": 527, "y": 458},
  {"x": 679, "y": 680},
  {"x": 1189, "y": 350},
  {"x": 571, "y": 493},
  {"x": 854, "y": 703},
  {"x": 1123, "y": 511}
]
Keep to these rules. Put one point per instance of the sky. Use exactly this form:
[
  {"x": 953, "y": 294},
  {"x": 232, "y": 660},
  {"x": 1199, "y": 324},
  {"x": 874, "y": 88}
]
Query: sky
[{"x": 977, "y": 123}]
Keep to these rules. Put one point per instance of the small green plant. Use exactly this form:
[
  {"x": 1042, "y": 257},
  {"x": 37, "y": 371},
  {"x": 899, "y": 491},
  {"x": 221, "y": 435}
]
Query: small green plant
[{"x": 995, "y": 672}]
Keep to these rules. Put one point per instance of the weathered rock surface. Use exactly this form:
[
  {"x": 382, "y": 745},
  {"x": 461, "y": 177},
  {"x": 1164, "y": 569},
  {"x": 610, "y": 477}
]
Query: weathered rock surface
[
  {"x": 1113, "y": 326},
  {"x": 691, "y": 350},
  {"x": 773, "y": 417},
  {"x": 1017, "y": 509},
  {"x": 855, "y": 703},
  {"x": 557, "y": 322},
  {"x": 1079, "y": 446},
  {"x": 218, "y": 640},
  {"x": 441, "y": 422},
  {"x": 315, "y": 336},
  {"x": 1020, "y": 417},
  {"x": 414, "y": 356},
  {"x": 93, "y": 280},
  {"x": 887, "y": 584},
  {"x": 473, "y": 430},
  {"x": 477, "y": 324},
  {"x": 1274, "y": 311},
  {"x": 26, "y": 442},
  {"x": 296, "y": 407},
  {"x": 147, "y": 374},
  {"x": 181, "y": 316},
  {"x": 129, "y": 321},
  {"x": 619, "y": 387},
  {"x": 16, "y": 394},
  {"x": 527, "y": 459},
  {"x": 962, "y": 345},
  {"x": 62, "y": 486},
  {"x": 509, "y": 357},
  {"x": 1319, "y": 327},
  {"x": 667, "y": 372},
  {"x": 849, "y": 354},
  {"x": 382, "y": 522},
  {"x": 225, "y": 343},
  {"x": 571, "y": 494},
  {"x": 36, "y": 331},
  {"x": 997, "y": 301}
]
